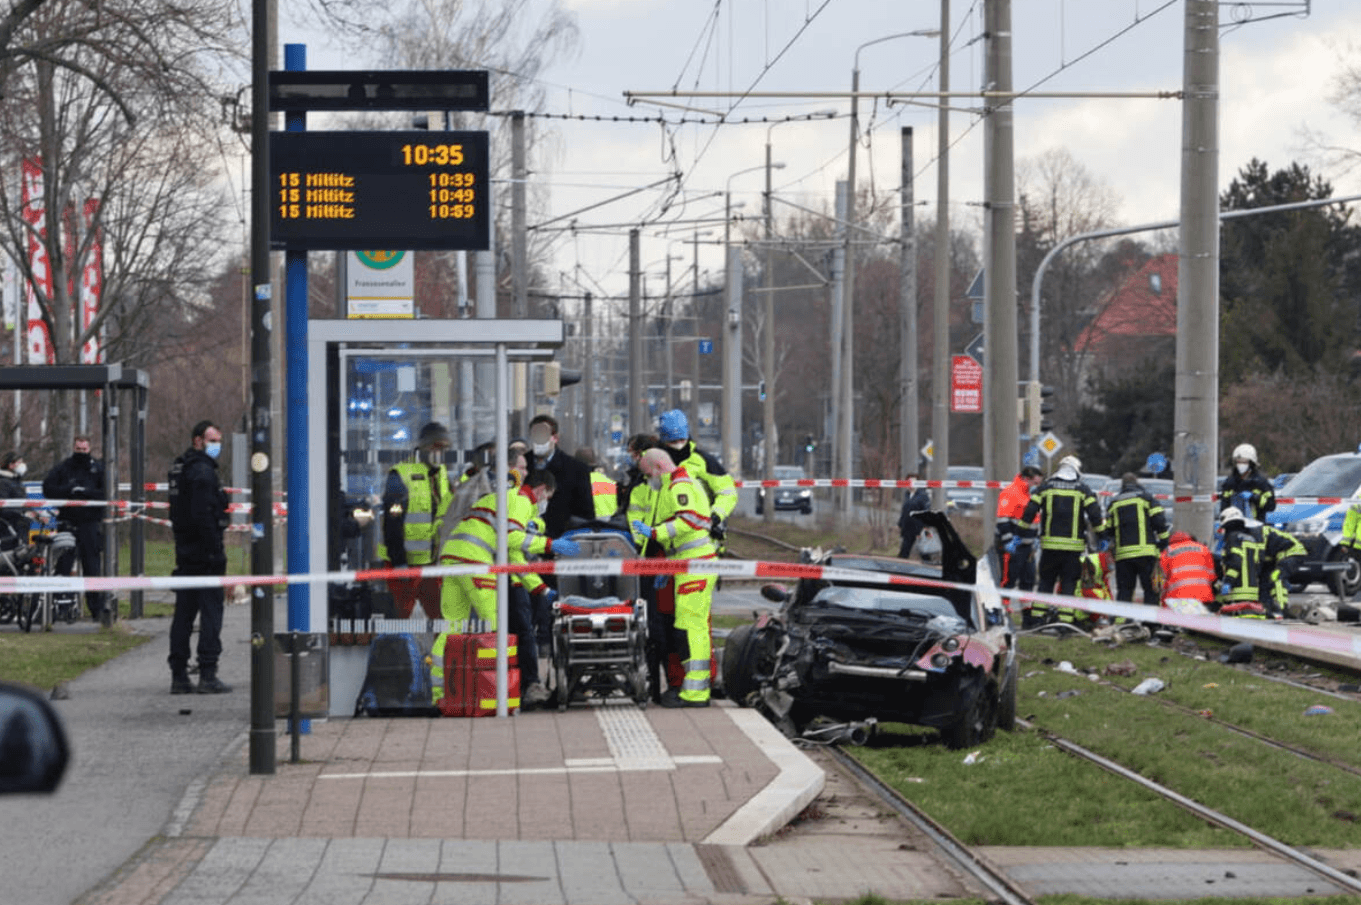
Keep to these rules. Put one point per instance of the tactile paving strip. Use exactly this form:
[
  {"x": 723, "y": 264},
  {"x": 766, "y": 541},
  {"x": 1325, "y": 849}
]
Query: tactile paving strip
[{"x": 632, "y": 742}]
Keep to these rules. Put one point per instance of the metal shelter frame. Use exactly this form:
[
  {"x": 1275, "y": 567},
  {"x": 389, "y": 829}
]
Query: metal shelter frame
[
  {"x": 505, "y": 339},
  {"x": 110, "y": 379}
]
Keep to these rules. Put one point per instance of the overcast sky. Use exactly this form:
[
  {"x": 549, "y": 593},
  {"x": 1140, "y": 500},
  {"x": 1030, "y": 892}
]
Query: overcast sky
[{"x": 1276, "y": 76}]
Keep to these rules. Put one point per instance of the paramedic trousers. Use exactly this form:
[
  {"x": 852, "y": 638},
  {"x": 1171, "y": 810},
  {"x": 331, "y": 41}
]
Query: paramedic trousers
[{"x": 694, "y": 597}]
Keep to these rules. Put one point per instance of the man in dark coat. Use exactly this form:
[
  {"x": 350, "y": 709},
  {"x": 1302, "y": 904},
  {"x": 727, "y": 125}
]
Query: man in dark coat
[
  {"x": 573, "y": 496},
  {"x": 910, "y": 527},
  {"x": 81, "y": 477},
  {"x": 198, "y": 513}
]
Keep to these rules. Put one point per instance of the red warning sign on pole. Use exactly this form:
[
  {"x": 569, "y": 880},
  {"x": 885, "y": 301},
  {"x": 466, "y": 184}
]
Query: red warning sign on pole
[{"x": 966, "y": 384}]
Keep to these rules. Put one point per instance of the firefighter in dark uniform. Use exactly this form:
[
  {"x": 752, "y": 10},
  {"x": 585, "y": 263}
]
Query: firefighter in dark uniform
[
  {"x": 1246, "y": 488},
  {"x": 1258, "y": 562},
  {"x": 1067, "y": 510},
  {"x": 1139, "y": 531}
]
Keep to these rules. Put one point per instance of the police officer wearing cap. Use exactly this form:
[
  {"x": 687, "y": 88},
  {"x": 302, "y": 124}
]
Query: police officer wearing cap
[
  {"x": 1246, "y": 488},
  {"x": 415, "y": 498}
]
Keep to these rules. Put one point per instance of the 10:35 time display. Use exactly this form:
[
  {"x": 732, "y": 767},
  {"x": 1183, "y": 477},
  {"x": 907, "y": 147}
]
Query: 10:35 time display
[{"x": 424, "y": 155}]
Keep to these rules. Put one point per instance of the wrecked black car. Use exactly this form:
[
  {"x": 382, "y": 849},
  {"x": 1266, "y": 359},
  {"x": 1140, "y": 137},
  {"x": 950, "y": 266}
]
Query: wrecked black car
[{"x": 895, "y": 646}]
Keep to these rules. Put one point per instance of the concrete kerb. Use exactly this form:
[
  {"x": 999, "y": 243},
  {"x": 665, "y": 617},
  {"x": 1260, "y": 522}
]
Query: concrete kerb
[{"x": 798, "y": 783}]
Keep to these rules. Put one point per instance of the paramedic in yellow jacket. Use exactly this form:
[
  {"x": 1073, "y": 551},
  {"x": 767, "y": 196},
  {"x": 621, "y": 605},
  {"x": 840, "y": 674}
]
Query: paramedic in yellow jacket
[
  {"x": 679, "y": 523},
  {"x": 474, "y": 541},
  {"x": 415, "y": 498}
]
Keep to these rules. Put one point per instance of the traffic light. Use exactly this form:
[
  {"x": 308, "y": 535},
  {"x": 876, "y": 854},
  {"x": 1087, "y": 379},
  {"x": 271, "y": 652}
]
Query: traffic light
[
  {"x": 1037, "y": 406},
  {"x": 761, "y": 391},
  {"x": 809, "y": 444}
]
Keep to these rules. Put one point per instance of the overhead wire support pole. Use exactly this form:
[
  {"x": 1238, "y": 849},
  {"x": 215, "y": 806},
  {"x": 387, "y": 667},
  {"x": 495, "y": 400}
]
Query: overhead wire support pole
[
  {"x": 262, "y": 730},
  {"x": 940, "y": 305}
]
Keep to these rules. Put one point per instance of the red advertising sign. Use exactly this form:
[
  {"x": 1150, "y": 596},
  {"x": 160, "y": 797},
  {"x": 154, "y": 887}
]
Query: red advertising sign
[{"x": 966, "y": 384}]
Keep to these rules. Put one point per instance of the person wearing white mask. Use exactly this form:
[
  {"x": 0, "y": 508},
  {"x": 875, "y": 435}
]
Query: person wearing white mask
[
  {"x": 198, "y": 516},
  {"x": 1246, "y": 488},
  {"x": 573, "y": 496},
  {"x": 81, "y": 477},
  {"x": 12, "y": 471}
]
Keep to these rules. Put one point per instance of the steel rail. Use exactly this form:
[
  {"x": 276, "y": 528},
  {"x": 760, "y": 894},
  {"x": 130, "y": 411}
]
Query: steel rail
[
  {"x": 1260, "y": 839},
  {"x": 998, "y": 884}
]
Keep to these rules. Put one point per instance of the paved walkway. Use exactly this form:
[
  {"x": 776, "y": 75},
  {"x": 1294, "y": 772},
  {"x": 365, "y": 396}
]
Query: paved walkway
[{"x": 598, "y": 804}]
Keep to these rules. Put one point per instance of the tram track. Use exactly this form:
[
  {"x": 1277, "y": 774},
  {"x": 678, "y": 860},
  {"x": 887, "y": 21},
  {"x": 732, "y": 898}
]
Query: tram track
[{"x": 964, "y": 859}]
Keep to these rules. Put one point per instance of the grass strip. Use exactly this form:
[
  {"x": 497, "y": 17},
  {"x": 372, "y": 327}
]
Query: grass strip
[
  {"x": 42, "y": 659},
  {"x": 1230, "y": 693},
  {"x": 1021, "y": 790}
]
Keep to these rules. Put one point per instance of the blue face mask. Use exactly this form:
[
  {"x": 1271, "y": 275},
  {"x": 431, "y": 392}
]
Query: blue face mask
[{"x": 213, "y": 449}]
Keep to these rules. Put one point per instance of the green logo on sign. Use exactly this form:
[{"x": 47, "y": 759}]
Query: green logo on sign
[{"x": 380, "y": 260}]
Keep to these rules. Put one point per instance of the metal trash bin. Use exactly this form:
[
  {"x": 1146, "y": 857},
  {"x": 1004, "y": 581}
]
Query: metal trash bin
[{"x": 314, "y": 676}]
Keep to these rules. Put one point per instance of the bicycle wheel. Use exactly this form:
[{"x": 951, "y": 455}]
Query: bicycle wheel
[{"x": 9, "y": 607}]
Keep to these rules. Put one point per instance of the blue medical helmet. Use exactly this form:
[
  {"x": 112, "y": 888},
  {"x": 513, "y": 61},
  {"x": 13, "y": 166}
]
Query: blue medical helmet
[{"x": 672, "y": 426}]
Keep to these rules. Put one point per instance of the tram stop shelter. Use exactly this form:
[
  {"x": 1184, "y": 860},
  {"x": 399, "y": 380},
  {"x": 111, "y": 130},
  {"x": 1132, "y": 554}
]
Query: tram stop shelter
[
  {"x": 116, "y": 385},
  {"x": 371, "y": 385}
]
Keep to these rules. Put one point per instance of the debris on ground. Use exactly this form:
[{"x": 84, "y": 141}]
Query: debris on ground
[
  {"x": 1149, "y": 686},
  {"x": 1124, "y": 668},
  {"x": 1317, "y": 710}
]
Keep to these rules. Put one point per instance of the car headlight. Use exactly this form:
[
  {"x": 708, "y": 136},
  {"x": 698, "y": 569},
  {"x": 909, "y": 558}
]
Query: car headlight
[
  {"x": 940, "y": 661},
  {"x": 1308, "y": 526},
  {"x": 950, "y": 644},
  {"x": 805, "y": 493}
]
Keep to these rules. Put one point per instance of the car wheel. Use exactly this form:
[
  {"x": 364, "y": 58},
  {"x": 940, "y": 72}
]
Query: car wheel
[
  {"x": 1347, "y": 582},
  {"x": 737, "y": 665},
  {"x": 1006, "y": 700},
  {"x": 977, "y": 724}
]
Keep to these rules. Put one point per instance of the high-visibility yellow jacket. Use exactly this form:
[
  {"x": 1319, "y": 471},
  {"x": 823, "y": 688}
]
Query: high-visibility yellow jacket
[
  {"x": 680, "y": 518},
  {"x": 640, "y": 509},
  {"x": 1351, "y": 526},
  {"x": 606, "y": 495},
  {"x": 418, "y": 511},
  {"x": 709, "y": 473},
  {"x": 474, "y": 539}
]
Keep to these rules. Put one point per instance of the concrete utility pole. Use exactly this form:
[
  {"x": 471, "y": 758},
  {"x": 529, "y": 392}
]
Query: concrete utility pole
[
  {"x": 637, "y": 422},
  {"x": 588, "y": 370},
  {"x": 907, "y": 325},
  {"x": 940, "y": 330},
  {"x": 519, "y": 234},
  {"x": 1196, "y": 415},
  {"x": 838, "y": 301},
  {"x": 1001, "y": 450},
  {"x": 732, "y": 366},
  {"x": 845, "y": 430},
  {"x": 768, "y": 351}
]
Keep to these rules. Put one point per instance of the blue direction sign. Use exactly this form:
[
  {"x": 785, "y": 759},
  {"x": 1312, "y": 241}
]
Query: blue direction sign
[
  {"x": 975, "y": 348},
  {"x": 1156, "y": 464},
  {"x": 706, "y": 347}
]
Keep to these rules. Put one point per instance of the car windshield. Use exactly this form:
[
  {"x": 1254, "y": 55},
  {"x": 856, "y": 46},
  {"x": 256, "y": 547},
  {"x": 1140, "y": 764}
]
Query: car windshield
[
  {"x": 788, "y": 472},
  {"x": 1329, "y": 476},
  {"x": 886, "y": 601}
]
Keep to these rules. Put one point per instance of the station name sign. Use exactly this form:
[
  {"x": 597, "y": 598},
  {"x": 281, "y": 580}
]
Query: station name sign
[{"x": 352, "y": 191}]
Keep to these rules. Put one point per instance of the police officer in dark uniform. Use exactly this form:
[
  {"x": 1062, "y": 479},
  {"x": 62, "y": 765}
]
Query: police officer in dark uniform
[
  {"x": 198, "y": 514},
  {"x": 1066, "y": 509},
  {"x": 81, "y": 477}
]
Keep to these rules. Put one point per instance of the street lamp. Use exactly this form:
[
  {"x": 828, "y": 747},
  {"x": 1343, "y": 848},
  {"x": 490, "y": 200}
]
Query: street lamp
[{"x": 847, "y": 386}]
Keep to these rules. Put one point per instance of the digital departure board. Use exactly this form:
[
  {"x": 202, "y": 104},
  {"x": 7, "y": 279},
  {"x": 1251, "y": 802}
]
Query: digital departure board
[{"x": 353, "y": 191}]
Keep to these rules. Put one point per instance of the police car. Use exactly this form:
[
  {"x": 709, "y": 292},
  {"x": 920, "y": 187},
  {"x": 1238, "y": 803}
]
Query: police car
[{"x": 1319, "y": 525}]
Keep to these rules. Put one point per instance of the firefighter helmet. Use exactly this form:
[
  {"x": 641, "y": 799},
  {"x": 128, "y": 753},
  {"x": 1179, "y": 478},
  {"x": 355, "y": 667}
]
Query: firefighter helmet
[{"x": 1246, "y": 452}]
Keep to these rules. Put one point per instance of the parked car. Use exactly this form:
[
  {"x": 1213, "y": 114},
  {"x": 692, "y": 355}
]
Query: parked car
[
  {"x": 798, "y": 498},
  {"x": 964, "y": 500},
  {"x": 1319, "y": 525},
  {"x": 848, "y": 648}
]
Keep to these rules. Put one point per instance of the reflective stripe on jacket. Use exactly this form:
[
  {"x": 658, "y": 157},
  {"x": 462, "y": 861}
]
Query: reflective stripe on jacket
[
  {"x": 1136, "y": 523},
  {"x": 425, "y": 507},
  {"x": 680, "y": 518},
  {"x": 710, "y": 474},
  {"x": 606, "y": 495},
  {"x": 1188, "y": 570},
  {"x": 1063, "y": 507}
]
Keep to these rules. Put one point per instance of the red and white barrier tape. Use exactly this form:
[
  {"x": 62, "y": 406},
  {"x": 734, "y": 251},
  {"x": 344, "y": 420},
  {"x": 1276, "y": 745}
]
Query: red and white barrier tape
[{"x": 1227, "y": 626}]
